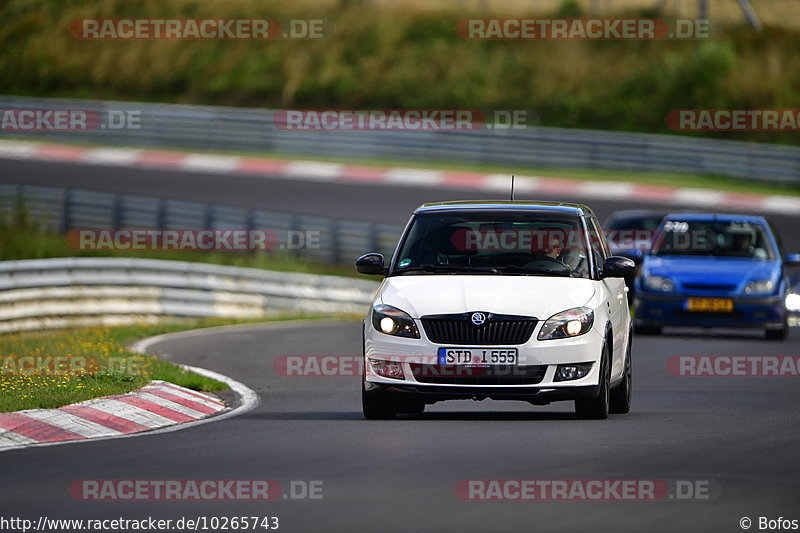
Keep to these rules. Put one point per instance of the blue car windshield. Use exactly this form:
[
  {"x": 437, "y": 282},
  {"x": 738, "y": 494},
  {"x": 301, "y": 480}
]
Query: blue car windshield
[{"x": 713, "y": 238}]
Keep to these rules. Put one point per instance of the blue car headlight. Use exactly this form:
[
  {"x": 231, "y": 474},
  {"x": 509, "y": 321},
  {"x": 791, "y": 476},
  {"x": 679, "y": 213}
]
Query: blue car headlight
[
  {"x": 793, "y": 302},
  {"x": 659, "y": 283},
  {"x": 761, "y": 286},
  {"x": 392, "y": 321}
]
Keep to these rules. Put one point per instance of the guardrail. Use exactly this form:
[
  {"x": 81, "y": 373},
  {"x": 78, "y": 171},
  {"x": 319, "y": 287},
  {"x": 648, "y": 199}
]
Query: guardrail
[
  {"x": 57, "y": 293},
  {"x": 228, "y": 128},
  {"x": 340, "y": 241}
]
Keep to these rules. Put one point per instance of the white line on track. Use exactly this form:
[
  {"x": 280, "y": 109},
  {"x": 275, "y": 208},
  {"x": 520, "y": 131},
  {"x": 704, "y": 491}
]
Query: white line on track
[
  {"x": 210, "y": 163},
  {"x": 413, "y": 177},
  {"x": 112, "y": 156},
  {"x": 313, "y": 171}
]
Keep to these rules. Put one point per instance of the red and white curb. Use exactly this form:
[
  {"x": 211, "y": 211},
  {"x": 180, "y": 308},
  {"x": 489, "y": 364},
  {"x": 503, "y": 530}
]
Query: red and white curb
[
  {"x": 157, "y": 405},
  {"x": 684, "y": 197}
]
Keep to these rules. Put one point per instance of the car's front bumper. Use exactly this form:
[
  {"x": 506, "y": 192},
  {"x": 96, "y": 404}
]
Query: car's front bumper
[
  {"x": 545, "y": 356},
  {"x": 672, "y": 310},
  {"x": 431, "y": 394}
]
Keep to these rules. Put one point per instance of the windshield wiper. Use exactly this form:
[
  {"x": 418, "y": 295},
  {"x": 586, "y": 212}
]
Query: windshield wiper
[{"x": 447, "y": 269}]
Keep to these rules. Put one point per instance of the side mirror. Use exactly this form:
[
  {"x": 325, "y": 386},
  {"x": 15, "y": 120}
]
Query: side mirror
[
  {"x": 371, "y": 264},
  {"x": 618, "y": 267},
  {"x": 792, "y": 260}
]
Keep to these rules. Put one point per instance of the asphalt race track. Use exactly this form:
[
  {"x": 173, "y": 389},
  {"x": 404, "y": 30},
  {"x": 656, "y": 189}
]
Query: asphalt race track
[
  {"x": 738, "y": 436},
  {"x": 375, "y": 203}
]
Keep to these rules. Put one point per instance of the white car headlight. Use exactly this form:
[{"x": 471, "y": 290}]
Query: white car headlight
[
  {"x": 793, "y": 302},
  {"x": 570, "y": 323},
  {"x": 762, "y": 286},
  {"x": 659, "y": 283},
  {"x": 393, "y": 321}
]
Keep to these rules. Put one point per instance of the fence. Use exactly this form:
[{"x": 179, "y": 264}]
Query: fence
[
  {"x": 340, "y": 241},
  {"x": 226, "y": 128},
  {"x": 49, "y": 293}
]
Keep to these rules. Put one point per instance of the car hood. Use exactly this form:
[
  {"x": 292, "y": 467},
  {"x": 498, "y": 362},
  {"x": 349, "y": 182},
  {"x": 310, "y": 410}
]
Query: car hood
[
  {"x": 711, "y": 270},
  {"x": 538, "y": 296}
]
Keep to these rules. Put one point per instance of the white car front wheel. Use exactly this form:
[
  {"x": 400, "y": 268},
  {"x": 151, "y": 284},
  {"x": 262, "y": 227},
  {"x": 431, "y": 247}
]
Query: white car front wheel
[{"x": 597, "y": 408}]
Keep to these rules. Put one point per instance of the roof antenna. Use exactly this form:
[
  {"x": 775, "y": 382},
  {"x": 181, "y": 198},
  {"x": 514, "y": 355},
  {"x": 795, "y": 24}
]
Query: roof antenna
[{"x": 512, "y": 187}]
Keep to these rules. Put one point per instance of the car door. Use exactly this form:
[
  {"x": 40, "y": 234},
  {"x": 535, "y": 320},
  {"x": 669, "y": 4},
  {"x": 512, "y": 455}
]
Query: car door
[{"x": 617, "y": 300}]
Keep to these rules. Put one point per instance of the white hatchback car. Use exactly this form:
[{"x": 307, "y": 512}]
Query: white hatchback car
[{"x": 500, "y": 300}]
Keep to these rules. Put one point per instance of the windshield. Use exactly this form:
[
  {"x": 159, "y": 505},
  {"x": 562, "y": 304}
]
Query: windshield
[
  {"x": 713, "y": 238},
  {"x": 517, "y": 243}
]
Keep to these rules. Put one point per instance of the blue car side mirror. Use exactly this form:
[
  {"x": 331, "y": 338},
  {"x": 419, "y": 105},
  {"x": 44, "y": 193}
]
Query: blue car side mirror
[{"x": 792, "y": 260}]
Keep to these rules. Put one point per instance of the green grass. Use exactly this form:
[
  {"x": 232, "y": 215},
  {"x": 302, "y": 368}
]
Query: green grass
[
  {"x": 112, "y": 367},
  {"x": 389, "y": 55},
  {"x": 18, "y": 393}
]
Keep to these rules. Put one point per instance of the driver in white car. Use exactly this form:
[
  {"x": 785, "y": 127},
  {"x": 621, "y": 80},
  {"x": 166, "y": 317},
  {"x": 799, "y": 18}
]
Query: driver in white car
[{"x": 553, "y": 251}]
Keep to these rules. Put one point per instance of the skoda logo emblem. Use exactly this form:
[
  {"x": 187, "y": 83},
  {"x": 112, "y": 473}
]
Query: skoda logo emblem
[{"x": 478, "y": 319}]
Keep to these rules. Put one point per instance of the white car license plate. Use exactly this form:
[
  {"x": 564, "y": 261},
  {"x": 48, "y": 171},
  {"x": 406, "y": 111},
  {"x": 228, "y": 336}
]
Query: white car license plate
[{"x": 477, "y": 356}]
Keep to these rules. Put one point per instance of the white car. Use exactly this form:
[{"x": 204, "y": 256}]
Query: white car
[{"x": 500, "y": 300}]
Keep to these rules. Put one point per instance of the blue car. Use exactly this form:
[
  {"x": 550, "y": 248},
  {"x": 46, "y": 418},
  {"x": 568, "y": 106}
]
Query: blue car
[{"x": 714, "y": 270}]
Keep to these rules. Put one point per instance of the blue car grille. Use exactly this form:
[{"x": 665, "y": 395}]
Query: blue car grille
[
  {"x": 709, "y": 286},
  {"x": 680, "y": 313}
]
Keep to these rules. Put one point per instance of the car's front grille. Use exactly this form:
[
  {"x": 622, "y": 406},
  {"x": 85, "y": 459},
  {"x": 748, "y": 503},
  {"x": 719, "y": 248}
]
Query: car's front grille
[
  {"x": 478, "y": 375},
  {"x": 499, "y": 330}
]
